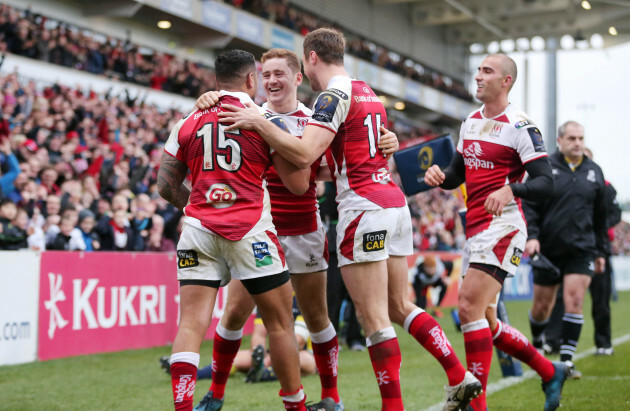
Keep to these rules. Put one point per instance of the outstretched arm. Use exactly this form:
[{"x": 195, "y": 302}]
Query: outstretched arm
[
  {"x": 300, "y": 151},
  {"x": 170, "y": 180}
]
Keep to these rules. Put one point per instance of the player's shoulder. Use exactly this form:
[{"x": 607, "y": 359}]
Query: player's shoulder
[
  {"x": 340, "y": 86},
  {"x": 518, "y": 118}
]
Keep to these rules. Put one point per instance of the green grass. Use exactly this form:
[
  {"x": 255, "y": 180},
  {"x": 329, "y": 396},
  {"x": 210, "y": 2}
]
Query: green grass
[{"x": 133, "y": 380}]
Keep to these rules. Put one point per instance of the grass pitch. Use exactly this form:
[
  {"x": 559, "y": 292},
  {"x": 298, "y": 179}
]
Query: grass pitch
[{"x": 133, "y": 379}]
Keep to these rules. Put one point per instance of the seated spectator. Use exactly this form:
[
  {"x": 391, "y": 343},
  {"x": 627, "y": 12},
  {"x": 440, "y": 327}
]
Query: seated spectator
[
  {"x": 157, "y": 241},
  {"x": 63, "y": 237},
  {"x": 89, "y": 239},
  {"x": 119, "y": 235}
]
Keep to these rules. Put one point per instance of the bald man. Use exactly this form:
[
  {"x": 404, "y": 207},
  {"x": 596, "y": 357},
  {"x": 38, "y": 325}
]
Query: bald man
[{"x": 498, "y": 143}]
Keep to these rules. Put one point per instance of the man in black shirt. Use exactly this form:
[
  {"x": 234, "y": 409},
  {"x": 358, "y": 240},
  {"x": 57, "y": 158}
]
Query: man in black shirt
[{"x": 569, "y": 228}]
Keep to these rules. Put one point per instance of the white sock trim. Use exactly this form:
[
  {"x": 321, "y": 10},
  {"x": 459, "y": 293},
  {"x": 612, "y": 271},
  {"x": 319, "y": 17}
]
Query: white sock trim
[
  {"x": 380, "y": 336},
  {"x": 324, "y": 335},
  {"x": 187, "y": 357},
  {"x": 229, "y": 334},
  {"x": 411, "y": 317},
  {"x": 475, "y": 325},
  {"x": 297, "y": 397},
  {"x": 499, "y": 330}
]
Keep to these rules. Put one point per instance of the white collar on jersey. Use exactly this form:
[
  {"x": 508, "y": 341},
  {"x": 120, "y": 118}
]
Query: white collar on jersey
[
  {"x": 300, "y": 107},
  {"x": 498, "y": 115},
  {"x": 337, "y": 78},
  {"x": 243, "y": 97}
]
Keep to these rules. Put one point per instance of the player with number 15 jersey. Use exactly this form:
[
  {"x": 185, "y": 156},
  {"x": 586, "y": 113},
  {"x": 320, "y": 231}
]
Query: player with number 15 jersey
[{"x": 228, "y": 195}]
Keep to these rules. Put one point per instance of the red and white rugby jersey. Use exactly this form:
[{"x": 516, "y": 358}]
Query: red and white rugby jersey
[
  {"x": 292, "y": 214},
  {"x": 354, "y": 113},
  {"x": 228, "y": 195},
  {"x": 495, "y": 151}
]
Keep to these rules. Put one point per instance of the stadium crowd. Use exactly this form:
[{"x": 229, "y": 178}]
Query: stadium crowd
[
  {"x": 72, "y": 153},
  {"x": 79, "y": 170},
  {"x": 303, "y": 22},
  {"x": 35, "y": 36}
]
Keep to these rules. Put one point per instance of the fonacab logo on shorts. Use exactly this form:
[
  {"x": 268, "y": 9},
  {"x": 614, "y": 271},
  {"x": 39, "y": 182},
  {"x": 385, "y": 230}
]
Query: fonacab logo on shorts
[{"x": 374, "y": 241}]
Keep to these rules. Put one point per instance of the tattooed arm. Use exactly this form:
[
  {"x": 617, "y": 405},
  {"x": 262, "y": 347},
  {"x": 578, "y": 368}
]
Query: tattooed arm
[{"x": 170, "y": 177}]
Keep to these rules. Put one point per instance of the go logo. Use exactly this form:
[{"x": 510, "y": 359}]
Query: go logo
[{"x": 220, "y": 195}]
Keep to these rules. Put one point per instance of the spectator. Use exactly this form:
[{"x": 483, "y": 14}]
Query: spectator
[
  {"x": 157, "y": 241},
  {"x": 63, "y": 237},
  {"x": 89, "y": 239},
  {"x": 12, "y": 237}
]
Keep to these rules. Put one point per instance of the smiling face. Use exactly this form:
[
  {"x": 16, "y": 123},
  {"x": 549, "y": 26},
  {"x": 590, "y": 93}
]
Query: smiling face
[
  {"x": 280, "y": 84},
  {"x": 491, "y": 79}
]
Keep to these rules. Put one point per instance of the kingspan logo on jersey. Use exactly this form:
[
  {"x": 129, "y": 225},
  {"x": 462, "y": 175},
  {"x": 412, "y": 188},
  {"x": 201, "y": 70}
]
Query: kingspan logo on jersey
[
  {"x": 220, "y": 195},
  {"x": 472, "y": 160},
  {"x": 382, "y": 176}
]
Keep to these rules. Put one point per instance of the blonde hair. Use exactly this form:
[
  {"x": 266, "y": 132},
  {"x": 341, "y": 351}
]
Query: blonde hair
[{"x": 292, "y": 59}]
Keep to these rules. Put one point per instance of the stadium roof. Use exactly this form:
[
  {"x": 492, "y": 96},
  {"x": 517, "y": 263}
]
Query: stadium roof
[{"x": 483, "y": 21}]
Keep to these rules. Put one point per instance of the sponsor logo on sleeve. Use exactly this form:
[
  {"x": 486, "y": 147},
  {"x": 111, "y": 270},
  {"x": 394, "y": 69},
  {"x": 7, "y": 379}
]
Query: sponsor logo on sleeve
[
  {"x": 325, "y": 107},
  {"x": 374, "y": 241},
  {"x": 187, "y": 258},
  {"x": 516, "y": 256},
  {"x": 262, "y": 254},
  {"x": 338, "y": 92},
  {"x": 537, "y": 139},
  {"x": 522, "y": 124}
]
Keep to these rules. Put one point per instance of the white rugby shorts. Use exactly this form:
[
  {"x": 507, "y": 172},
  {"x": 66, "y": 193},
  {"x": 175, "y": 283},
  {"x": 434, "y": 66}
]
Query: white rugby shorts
[
  {"x": 373, "y": 235},
  {"x": 306, "y": 253},
  {"x": 205, "y": 256},
  {"x": 500, "y": 245}
]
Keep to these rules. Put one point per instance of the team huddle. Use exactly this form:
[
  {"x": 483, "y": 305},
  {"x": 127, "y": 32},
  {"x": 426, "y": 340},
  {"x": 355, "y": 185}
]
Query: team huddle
[{"x": 252, "y": 221}]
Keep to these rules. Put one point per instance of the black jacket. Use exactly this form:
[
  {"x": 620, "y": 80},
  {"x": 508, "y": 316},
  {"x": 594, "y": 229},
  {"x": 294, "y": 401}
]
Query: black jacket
[{"x": 573, "y": 221}]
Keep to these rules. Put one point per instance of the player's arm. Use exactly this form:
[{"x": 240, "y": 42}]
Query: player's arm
[
  {"x": 539, "y": 184},
  {"x": 170, "y": 179},
  {"x": 294, "y": 178},
  {"x": 207, "y": 100},
  {"x": 449, "y": 178},
  {"x": 300, "y": 151}
]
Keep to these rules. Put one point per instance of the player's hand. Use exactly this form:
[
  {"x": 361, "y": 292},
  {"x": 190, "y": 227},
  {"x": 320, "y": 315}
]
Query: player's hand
[
  {"x": 532, "y": 247},
  {"x": 496, "y": 201},
  {"x": 243, "y": 118},
  {"x": 207, "y": 100},
  {"x": 388, "y": 142},
  {"x": 600, "y": 265},
  {"x": 434, "y": 176}
]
